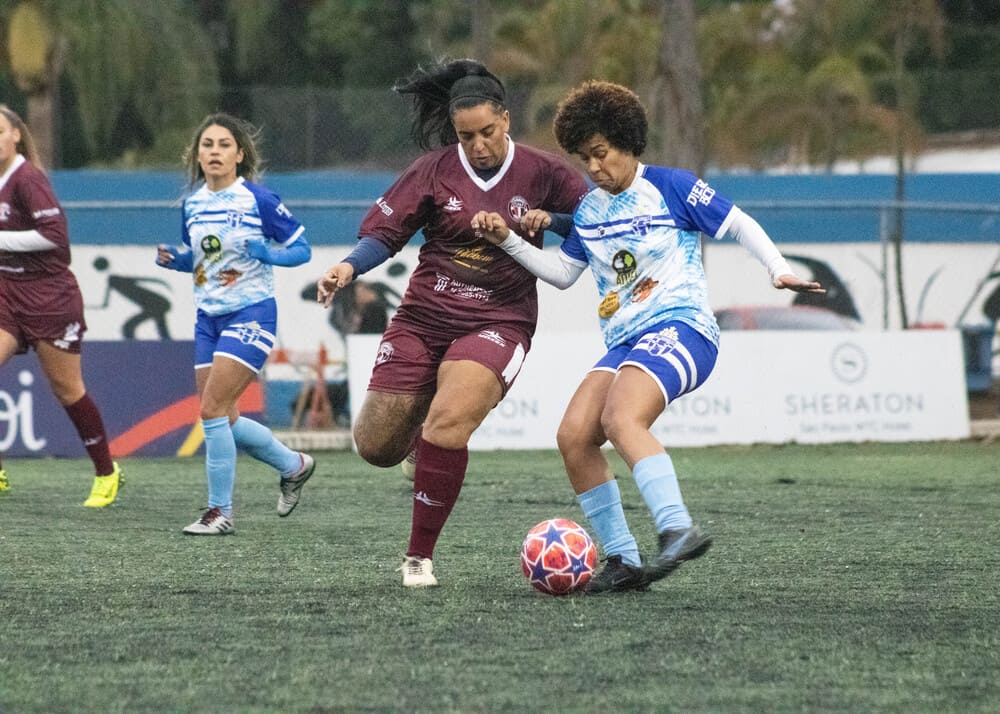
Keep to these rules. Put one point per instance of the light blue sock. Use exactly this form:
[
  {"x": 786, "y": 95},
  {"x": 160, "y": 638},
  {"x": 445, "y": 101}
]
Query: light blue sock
[
  {"x": 657, "y": 482},
  {"x": 220, "y": 463},
  {"x": 258, "y": 441},
  {"x": 602, "y": 505}
]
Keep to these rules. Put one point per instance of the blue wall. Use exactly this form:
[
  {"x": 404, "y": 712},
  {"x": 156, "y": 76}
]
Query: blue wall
[{"x": 158, "y": 220}]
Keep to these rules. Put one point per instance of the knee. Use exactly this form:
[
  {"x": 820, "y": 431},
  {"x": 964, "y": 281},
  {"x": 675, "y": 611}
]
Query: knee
[
  {"x": 375, "y": 451},
  {"x": 574, "y": 435},
  {"x": 614, "y": 424}
]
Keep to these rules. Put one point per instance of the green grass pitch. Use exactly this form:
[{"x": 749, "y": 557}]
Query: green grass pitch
[{"x": 853, "y": 578}]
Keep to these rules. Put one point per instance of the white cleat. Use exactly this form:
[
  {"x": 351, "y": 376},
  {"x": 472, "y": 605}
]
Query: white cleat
[
  {"x": 291, "y": 487},
  {"x": 418, "y": 572},
  {"x": 212, "y": 522},
  {"x": 409, "y": 465}
]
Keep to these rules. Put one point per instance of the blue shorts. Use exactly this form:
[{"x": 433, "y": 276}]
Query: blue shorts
[
  {"x": 674, "y": 354},
  {"x": 246, "y": 335}
]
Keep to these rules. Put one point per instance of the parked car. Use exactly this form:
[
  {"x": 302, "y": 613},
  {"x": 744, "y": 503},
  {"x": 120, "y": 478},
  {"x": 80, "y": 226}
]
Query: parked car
[{"x": 782, "y": 317}]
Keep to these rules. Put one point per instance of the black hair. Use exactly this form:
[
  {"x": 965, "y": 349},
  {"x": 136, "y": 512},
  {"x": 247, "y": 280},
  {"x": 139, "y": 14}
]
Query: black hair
[
  {"x": 603, "y": 108},
  {"x": 443, "y": 88}
]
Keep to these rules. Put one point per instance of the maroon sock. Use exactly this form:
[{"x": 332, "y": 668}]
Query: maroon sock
[
  {"x": 89, "y": 425},
  {"x": 436, "y": 485}
]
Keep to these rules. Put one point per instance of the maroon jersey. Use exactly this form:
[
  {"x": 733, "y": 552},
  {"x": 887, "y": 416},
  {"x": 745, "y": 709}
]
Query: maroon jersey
[
  {"x": 463, "y": 282},
  {"x": 27, "y": 202}
]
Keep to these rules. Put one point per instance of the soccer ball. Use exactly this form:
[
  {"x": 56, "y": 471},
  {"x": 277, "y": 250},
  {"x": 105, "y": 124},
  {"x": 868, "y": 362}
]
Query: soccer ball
[{"x": 558, "y": 557}]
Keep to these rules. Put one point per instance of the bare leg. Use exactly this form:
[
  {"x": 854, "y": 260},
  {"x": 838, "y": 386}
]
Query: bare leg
[
  {"x": 387, "y": 424},
  {"x": 581, "y": 435}
]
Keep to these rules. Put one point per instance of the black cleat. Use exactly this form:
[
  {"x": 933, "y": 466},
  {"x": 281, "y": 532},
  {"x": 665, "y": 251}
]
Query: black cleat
[
  {"x": 617, "y": 577},
  {"x": 675, "y": 548}
]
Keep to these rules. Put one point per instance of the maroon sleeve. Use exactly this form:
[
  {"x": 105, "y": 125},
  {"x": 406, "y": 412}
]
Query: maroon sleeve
[
  {"x": 568, "y": 188},
  {"x": 404, "y": 208},
  {"x": 37, "y": 199}
]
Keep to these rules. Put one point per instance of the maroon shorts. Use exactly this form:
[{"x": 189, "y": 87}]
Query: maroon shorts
[
  {"x": 408, "y": 356},
  {"x": 48, "y": 309}
]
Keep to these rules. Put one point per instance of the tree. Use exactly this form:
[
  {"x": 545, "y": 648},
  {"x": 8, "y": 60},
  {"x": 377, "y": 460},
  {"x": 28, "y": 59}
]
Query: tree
[
  {"x": 139, "y": 71},
  {"x": 677, "y": 100}
]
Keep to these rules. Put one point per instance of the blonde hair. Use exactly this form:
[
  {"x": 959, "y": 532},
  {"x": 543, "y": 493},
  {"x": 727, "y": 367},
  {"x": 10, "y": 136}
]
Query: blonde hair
[{"x": 26, "y": 145}]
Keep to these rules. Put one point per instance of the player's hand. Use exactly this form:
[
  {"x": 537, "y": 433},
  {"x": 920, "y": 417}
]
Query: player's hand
[
  {"x": 796, "y": 284},
  {"x": 174, "y": 258},
  {"x": 490, "y": 226},
  {"x": 333, "y": 280},
  {"x": 534, "y": 221},
  {"x": 165, "y": 255}
]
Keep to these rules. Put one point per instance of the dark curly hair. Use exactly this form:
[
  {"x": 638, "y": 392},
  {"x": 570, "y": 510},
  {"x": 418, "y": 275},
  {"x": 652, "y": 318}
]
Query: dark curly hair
[
  {"x": 441, "y": 89},
  {"x": 603, "y": 108}
]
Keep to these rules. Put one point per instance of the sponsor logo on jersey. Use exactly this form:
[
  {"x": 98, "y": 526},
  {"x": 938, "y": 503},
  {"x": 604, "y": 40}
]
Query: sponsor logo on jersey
[
  {"x": 453, "y": 205},
  {"x": 211, "y": 246},
  {"x": 643, "y": 289},
  {"x": 624, "y": 264},
  {"x": 701, "y": 193},
  {"x": 45, "y": 212},
  {"x": 385, "y": 351},
  {"x": 518, "y": 207},
  {"x": 386, "y": 209},
  {"x": 4, "y": 211}
]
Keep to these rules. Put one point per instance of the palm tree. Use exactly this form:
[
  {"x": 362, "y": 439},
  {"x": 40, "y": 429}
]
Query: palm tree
[{"x": 152, "y": 60}]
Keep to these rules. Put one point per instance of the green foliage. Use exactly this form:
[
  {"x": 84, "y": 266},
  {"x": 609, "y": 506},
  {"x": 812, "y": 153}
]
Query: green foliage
[
  {"x": 856, "y": 577},
  {"x": 152, "y": 57}
]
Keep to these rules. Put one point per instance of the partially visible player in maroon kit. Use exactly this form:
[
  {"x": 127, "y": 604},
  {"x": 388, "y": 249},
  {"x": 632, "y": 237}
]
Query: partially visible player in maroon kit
[
  {"x": 460, "y": 335},
  {"x": 40, "y": 302}
]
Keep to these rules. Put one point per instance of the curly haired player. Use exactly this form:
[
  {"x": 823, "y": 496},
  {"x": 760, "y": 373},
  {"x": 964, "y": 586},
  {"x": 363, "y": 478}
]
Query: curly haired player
[{"x": 639, "y": 232}]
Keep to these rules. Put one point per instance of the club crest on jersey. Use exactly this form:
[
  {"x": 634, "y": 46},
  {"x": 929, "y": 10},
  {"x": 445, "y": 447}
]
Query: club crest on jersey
[
  {"x": 641, "y": 224},
  {"x": 518, "y": 207},
  {"x": 4, "y": 211},
  {"x": 234, "y": 219},
  {"x": 624, "y": 264},
  {"x": 385, "y": 352}
]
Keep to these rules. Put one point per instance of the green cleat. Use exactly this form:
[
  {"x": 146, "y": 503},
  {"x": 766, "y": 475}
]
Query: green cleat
[{"x": 105, "y": 489}]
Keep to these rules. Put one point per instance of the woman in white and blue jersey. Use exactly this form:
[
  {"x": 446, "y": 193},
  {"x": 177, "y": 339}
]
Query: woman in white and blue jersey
[
  {"x": 639, "y": 231},
  {"x": 233, "y": 232}
]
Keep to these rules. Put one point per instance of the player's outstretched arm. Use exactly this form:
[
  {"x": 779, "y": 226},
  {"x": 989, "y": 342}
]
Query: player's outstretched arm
[
  {"x": 790, "y": 281},
  {"x": 555, "y": 269},
  {"x": 333, "y": 280},
  {"x": 175, "y": 258}
]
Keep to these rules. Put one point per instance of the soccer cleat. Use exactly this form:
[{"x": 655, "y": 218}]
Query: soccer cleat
[
  {"x": 4, "y": 485},
  {"x": 409, "y": 465},
  {"x": 291, "y": 487},
  {"x": 675, "y": 548},
  {"x": 418, "y": 572},
  {"x": 105, "y": 489},
  {"x": 617, "y": 577},
  {"x": 212, "y": 522}
]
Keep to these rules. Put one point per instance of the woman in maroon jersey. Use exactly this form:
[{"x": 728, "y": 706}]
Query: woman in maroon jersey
[
  {"x": 465, "y": 324},
  {"x": 40, "y": 302}
]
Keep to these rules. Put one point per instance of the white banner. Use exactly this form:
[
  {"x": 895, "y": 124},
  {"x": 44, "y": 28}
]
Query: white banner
[{"x": 767, "y": 387}]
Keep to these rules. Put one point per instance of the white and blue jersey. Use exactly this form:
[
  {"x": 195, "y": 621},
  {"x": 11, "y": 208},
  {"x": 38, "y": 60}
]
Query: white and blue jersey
[
  {"x": 644, "y": 250},
  {"x": 217, "y": 227}
]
